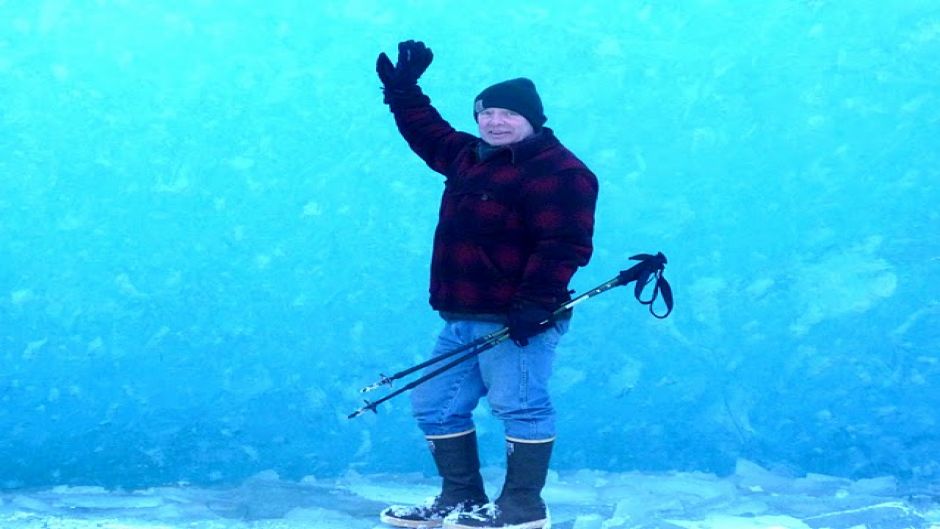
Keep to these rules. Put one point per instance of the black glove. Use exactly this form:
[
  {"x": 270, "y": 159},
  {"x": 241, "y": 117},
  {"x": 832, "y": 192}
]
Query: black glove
[
  {"x": 413, "y": 59},
  {"x": 526, "y": 319}
]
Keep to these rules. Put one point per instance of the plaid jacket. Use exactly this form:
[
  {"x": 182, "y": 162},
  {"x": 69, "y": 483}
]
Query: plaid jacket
[{"x": 514, "y": 224}]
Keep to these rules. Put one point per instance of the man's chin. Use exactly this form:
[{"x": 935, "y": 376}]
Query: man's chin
[{"x": 498, "y": 142}]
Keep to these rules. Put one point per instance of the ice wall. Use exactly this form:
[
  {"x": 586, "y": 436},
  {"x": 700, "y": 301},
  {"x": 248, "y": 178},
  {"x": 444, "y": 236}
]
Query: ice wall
[{"x": 211, "y": 234}]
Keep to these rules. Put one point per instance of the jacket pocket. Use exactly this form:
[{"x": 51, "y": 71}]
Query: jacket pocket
[{"x": 490, "y": 265}]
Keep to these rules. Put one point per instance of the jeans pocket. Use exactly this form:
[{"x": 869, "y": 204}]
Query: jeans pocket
[{"x": 553, "y": 334}]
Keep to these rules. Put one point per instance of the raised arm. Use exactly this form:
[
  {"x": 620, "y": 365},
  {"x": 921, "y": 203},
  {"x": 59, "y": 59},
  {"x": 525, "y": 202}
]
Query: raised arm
[{"x": 427, "y": 133}]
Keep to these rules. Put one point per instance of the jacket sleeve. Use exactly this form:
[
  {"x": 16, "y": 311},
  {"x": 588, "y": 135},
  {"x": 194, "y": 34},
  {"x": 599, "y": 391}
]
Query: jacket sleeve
[
  {"x": 427, "y": 133},
  {"x": 559, "y": 212}
]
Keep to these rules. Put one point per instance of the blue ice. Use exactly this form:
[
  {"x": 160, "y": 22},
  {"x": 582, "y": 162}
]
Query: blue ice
[{"x": 211, "y": 235}]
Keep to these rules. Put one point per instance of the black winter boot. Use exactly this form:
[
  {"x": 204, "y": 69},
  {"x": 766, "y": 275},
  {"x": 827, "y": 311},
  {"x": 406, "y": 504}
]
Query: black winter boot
[
  {"x": 520, "y": 504},
  {"x": 461, "y": 489}
]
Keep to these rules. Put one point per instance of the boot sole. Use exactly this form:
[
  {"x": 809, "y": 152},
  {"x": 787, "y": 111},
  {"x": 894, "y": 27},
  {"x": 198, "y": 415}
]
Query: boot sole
[
  {"x": 544, "y": 523},
  {"x": 416, "y": 524}
]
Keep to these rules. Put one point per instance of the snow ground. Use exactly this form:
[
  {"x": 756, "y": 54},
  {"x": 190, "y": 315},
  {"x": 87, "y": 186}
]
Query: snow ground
[{"x": 586, "y": 499}]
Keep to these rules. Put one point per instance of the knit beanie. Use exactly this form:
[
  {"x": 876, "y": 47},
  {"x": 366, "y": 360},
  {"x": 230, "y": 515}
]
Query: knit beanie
[{"x": 518, "y": 95}]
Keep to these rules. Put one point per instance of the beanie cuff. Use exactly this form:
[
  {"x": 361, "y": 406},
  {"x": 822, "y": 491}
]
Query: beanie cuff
[{"x": 518, "y": 95}]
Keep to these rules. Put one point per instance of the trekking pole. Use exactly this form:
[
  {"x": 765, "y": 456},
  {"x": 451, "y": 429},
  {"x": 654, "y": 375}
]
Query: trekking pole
[
  {"x": 649, "y": 268},
  {"x": 498, "y": 335},
  {"x": 640, "y": 272}
]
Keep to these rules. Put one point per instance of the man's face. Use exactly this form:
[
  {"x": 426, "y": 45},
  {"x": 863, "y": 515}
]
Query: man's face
[{"x": 499, "y": 126}]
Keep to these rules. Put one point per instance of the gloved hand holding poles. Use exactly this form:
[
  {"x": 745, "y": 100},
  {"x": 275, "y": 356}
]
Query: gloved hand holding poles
[{"x": 527, "y": 319}]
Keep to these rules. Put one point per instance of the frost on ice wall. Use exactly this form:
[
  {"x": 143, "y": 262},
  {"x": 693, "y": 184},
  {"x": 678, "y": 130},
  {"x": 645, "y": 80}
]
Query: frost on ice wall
[{"x": 212, "y": 236}]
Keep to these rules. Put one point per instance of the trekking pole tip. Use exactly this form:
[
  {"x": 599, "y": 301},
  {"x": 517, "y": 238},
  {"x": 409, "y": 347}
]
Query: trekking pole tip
[
  {"x": 383, "y": 381},
  {"x": 360, "y": 411}
]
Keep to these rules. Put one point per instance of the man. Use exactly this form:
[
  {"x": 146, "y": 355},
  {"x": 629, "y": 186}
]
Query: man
[{"x": 515, "y": 222}]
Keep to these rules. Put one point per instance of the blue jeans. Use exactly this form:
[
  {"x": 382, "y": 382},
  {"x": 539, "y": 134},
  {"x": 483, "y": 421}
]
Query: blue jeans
[{"x": 514, "y": 380}]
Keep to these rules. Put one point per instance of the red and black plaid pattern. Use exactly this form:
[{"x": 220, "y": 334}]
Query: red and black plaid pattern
[{"x": 514, "y": 224}]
